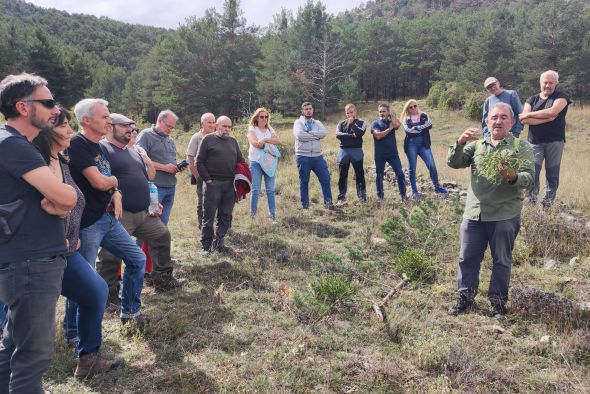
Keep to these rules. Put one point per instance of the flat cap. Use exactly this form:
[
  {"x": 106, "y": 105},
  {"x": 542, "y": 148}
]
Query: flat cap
[
  {"x": 489, "y": 81},
  {"x": 121, "y": 119}
]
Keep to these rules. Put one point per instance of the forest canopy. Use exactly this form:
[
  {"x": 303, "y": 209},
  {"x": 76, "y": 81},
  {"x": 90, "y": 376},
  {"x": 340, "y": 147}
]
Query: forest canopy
[{"x": 383, "y": 50}]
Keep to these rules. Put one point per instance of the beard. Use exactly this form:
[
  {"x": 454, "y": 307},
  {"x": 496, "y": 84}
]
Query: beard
[{"x": 38, "y": 122}]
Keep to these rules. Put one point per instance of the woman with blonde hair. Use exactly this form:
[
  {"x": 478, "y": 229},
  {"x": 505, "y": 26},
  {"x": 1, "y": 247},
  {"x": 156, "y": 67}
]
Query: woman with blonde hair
[
  {"x": 263, "y": 156},
  {"x": 417, "y": 126}
]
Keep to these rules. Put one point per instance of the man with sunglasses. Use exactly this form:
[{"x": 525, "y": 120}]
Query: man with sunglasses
[
  {"x": 161, "y": 149},
  {"x": 499, "y": 95},
  {"x": 32, "y": 239},
  {"x": 129, "y": 167}
]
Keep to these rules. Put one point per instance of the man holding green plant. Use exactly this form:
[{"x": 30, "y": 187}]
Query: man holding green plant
[{"x": 502, "y": 167}]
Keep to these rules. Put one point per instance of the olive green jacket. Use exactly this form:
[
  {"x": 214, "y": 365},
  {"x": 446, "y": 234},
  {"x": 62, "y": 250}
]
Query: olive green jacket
[{"x": 487, "y": 201}]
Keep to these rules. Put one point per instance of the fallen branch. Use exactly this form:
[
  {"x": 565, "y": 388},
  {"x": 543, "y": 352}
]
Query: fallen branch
[{"x": 378, "y": 306}]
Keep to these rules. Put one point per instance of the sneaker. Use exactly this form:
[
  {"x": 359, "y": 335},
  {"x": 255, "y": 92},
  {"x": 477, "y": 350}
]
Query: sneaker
[
  {"x": 94, "y": 363},
  {"x": 440, "y": 190},
  {"x": 224, "y": 249},
  {"x": 330, "y": 207},
  {"x": 417, "y": 196},
  {"x": 205, "y": 252},
  {"x": 463, "y": 305},
  {"x": 341, "y": 203}
]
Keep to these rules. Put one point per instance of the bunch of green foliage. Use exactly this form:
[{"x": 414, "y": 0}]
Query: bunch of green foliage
[
  {"x": 422, "y": 227},
  {"x": 416, "y": 265},
  {"x": 490, "y": 164},
  {"x": 333, "y": 288}
]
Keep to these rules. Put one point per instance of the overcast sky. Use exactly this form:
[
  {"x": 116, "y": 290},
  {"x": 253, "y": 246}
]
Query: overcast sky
[{"x": 171, "y": 13}]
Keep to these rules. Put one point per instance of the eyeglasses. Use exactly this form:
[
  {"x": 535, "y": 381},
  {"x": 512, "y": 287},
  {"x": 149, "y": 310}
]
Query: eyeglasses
[
  {"x": 135, "y": 129},
  {"x": 47, "y": 103},
  {"x": 491, "y": 86},
  {"x": 262, "y": 116},
  {"x": 169, "y": 127},
  {"x": 413, "y": 106}
]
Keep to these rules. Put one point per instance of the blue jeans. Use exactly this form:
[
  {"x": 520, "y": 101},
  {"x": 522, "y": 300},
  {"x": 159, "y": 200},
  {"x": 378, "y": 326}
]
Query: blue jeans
[
  {"x": 319, "y": 166},
  {"x": 396, "y": 164},
  {"x": 30, "y": 288},
  {"x": 3, "y": 318},
  {"x": 269, "y": 188},
  {"x": 416, "y": 148},
  {"x": 166, "y": 197},
  {"x": 85, "y": 288},
  {"x": 109, "y": 233}
]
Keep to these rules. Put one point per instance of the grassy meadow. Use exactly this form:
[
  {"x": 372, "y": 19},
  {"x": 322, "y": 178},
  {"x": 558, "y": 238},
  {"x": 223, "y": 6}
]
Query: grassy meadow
[{"x": 291, "y": 308}]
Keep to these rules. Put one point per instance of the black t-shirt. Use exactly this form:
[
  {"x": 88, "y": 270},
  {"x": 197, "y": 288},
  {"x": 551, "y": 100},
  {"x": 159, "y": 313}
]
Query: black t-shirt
[
  {"x": 83, "y": 154},
  {"x": 129, "y": 168},
  {"x": 550, "y": 131},
  {"x": 39, "y": 234}
]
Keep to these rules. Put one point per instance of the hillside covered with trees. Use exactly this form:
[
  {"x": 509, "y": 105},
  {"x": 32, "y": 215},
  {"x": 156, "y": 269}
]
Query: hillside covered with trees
[{"x": 385, "y": 49}]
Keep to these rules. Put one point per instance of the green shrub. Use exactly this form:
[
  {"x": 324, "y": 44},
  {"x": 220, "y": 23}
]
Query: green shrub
[
  {"x": 416, "y": 265},
  {"x": 452, "y": 98},
  {"x": 308, "y": 306},
  {"x": 350, "y": 91},
  {"x": 436, "y": 90},
  {"x": 333, "y": 288},
  {"x": 473, "y": 108}
]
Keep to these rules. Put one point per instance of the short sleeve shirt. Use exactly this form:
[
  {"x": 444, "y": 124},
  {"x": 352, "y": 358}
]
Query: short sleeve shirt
[
  {"x": 128, "y": 167},
  {"x": 84, "y": 154},
  {"x": 161, "y": 149},
  {"x": 550, "y": 131},
  {"x": 385, "y": 146},
  {"x": 39, "y": 235}
]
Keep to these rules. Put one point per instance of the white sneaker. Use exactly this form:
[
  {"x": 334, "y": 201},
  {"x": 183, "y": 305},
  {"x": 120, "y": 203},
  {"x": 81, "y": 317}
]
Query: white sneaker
[{"x": 205, "y": 253}]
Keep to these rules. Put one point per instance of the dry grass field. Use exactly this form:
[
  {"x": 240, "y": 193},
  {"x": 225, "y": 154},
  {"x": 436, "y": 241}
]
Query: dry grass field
[{"x": 290, "y": 309}]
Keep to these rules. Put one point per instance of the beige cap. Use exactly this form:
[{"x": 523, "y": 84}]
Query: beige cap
[
  {"x": 121, "y": 119},
  {"x": 489, "y": 81}
]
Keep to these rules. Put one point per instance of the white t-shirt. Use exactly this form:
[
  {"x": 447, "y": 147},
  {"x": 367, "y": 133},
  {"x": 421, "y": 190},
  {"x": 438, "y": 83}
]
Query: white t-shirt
[{"x": 253, "y": 152}]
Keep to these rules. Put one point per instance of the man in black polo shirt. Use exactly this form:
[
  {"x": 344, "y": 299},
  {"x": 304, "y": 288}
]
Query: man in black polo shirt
[
  {"x": 32, "y": 239},
  {"x": 91, "y": 169},
  {"x": 130, "y": 169}
]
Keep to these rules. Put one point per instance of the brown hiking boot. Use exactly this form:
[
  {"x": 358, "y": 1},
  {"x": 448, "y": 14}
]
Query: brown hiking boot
[
  {"x": 93, "y": 363},
  {"x": 165, "y": 281}
]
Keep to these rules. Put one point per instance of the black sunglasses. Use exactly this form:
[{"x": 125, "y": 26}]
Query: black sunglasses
[
  {"x": 47, "y": 103},
  {"x": 413, "y": 106}
]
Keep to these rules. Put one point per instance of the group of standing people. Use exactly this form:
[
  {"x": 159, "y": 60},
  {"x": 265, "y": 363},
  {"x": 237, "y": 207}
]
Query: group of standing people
[
  {"x": 66, "y": 200},
  {"x": 350, "y": 131}
]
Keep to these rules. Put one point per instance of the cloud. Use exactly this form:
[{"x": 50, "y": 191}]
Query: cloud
[{"x": 172, "y": 13}]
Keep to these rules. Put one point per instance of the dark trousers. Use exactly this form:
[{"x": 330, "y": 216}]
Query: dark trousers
[
  {"x": 550, "y": 153},
  {"x": 395, "y": 163},
  {"x": 475, "y": 238},
  {"x": 30, "y": 289},
  {"x": 200, "y": 184},
  {"x": 359, "y": 174},
  {"x": 219, "y": 198}
]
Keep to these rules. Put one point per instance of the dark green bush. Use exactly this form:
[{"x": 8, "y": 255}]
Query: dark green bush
[
  {"x": 473, "y": 108},
  {"x": 333, "y": 288}
]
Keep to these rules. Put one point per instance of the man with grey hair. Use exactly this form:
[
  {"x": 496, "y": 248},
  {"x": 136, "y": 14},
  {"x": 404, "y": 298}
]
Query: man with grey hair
[
  {"x": 492, "y": 209},
  {"x": 500, "y": 95},
  {"x": 161, "y": 149},
  {"x": 545, "y": 114},
  {"x": 32, "y": 239},
  {"x": 217, "y": 158},
  {"x": 100, "y": 226},
  {"x": 207, "y": 127}
]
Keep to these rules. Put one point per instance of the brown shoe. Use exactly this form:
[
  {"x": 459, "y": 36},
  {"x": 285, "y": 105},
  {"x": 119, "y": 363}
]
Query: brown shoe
[
  {"x": 165, "y": 281},
  {"x": 94, "y": 363}
]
